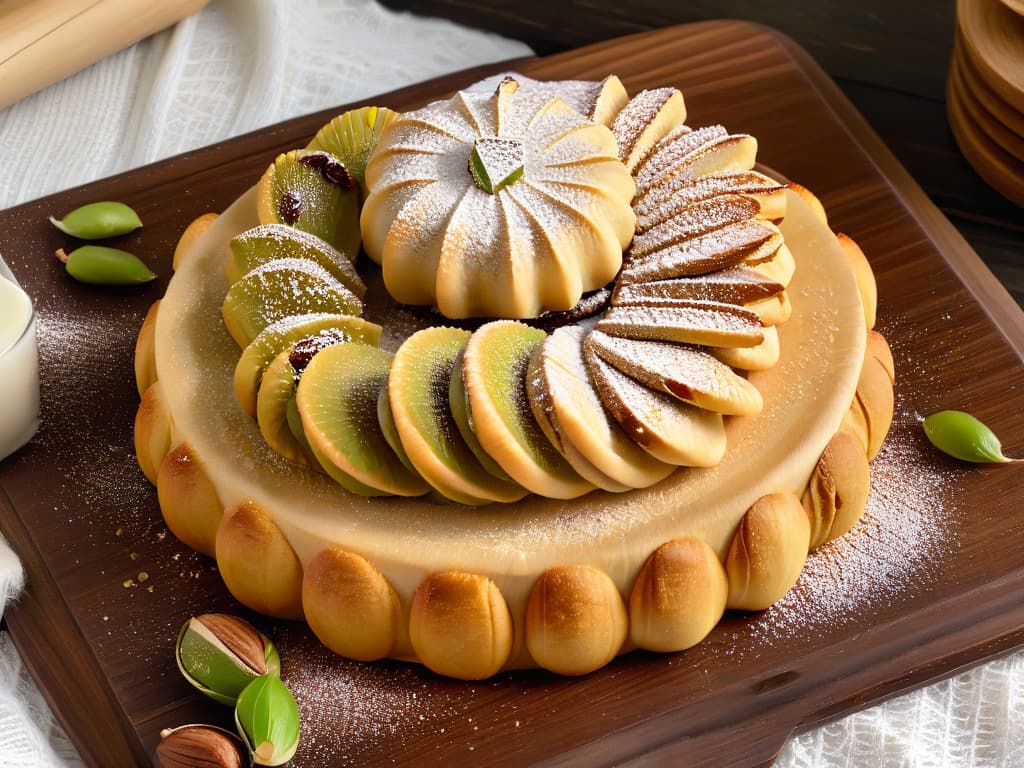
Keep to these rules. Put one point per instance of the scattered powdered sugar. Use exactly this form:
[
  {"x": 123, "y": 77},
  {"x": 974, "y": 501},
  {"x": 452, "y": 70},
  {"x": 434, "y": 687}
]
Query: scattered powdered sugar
[
  {"x": 894, "y": 552},
  {"x": 736, "y": 285},
  {"x": 702, "y": 217},
  {"x": 673, "y": 149},
  {"x": 651, "y": 211},
  {"x": 637, "y": 116},
  {"x": 722, "y": 248}
]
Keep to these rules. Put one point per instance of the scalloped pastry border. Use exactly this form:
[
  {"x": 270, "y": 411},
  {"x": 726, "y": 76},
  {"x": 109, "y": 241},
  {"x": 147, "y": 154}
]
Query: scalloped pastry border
[{"x": 576, "y": 620}]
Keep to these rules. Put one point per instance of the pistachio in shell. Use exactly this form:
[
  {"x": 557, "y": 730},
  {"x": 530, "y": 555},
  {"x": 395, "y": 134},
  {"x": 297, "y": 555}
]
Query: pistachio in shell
[
  {"x": 188, "y": 746},
  {"x": 98, "y": 220},
  {"x": 221, "y": 654}
]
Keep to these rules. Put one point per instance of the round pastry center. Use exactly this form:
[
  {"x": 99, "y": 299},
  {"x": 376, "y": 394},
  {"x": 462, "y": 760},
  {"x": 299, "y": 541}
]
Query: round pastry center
[{"x": 496, "y": 162}]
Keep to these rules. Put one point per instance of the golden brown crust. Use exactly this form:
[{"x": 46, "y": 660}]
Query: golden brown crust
[
  {"x": 188, "y": 500},
  {"x": 678, "y": 596},
  {"x": 768, "y": 552},
  {"x": 257, "y": 563},
  {"x": 871, "y": 411},
  {"x": 775, "y": 310},
  {"x": 863, "y": 275},
  {"x": 188, "y": 238},
  {"x": 837, "y": 492},
  {"x": 878, "y": 347},
  {"x": 350, "y": 606},
  {"x": 145, "y": 351},
  {"x": 152, "y": 431},
  {"x": 811, "y": 200},
  {"x": 460, "y": 625},
  {"x": 576, "y": 620}
]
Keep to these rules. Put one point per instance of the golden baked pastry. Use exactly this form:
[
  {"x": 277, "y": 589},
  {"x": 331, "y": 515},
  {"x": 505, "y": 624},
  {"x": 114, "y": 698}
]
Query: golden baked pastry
[
  {"x": 484, "y": 248},
  {"x": 729, "y": 275}
]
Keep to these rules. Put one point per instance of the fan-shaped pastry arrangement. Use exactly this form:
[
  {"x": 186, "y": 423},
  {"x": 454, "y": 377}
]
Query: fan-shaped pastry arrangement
[{"x": 708, "y": 284}]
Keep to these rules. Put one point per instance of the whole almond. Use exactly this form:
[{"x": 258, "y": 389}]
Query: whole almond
[{"x": 199, "y": 746}]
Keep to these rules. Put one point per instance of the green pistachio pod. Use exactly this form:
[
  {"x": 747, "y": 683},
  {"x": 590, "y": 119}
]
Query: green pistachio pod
[
  {"x": 963, "y": 437},
  {"x": 98, "y": 220},
  {"x": 268, "y": 721},
  {"x": 221, "y": 654},
  {"x": 99, "y": 265}
]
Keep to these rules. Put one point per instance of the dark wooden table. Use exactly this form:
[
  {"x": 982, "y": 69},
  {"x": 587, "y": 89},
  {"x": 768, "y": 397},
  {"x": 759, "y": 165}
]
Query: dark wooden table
[{"x": 890, "y": 57}]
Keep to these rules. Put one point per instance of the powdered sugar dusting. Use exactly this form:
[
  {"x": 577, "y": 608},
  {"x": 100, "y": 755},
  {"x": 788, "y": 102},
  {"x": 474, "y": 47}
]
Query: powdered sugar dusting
[
  {"x": 735, "y": 285},
  {"x": 674, "y": 148},
  {"x": 722, "y": 248},
  {"x": 705, "y": 216},
  {"x": 652, "y": 210},
  {"x": 896, "y": 549},
  {"x": 636, "y": 116}
]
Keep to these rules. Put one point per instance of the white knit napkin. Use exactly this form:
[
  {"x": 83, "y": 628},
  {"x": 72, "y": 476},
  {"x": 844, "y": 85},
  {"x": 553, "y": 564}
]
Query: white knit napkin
[{"x": 242, "y": 64}]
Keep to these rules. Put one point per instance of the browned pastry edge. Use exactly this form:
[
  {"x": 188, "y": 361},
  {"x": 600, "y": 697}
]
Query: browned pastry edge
[
  {"x": 257, "y": 563},
  {"x": 342, "y": 591},
  {"x": 188, "y": 500},
  {"x": 576, "y": 620},
  {"x": 837, "y": 493}
]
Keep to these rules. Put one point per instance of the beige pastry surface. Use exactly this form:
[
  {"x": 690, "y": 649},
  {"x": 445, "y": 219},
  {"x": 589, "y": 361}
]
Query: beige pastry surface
[{"x": 511, "y": 545}]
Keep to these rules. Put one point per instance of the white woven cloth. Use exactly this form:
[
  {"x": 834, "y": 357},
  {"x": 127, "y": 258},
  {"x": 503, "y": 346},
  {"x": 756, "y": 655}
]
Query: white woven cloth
[{"x": 242, "y": 64}]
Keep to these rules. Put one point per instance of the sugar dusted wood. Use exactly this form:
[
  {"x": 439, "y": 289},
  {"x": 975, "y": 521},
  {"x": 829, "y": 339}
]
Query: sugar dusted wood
[{"x": 95, "y": 678}]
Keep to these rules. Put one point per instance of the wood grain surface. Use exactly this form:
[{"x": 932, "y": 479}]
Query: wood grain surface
[{"x": 109, "y": 587}]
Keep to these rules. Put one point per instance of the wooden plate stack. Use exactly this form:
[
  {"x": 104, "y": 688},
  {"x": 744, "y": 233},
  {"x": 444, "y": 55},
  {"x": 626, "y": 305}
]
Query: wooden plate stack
[{"x": 985, "y": 92}]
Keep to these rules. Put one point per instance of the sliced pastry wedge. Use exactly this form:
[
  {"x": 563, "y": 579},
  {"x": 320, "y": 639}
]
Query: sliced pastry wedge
[
  {"x": 644, "y": 121},
  {"x": 494, "y": 369},
  {"x": 698, "y": 322},
  {"x": 669, "y": 430},
  {"x": 737, "y": 285},
  {"x": 682, "y": 191},
  {"x": 761, "y": 357},
  {"x": 563, "y": 397},
  {"x": 687, "y": 373},
  {"x": 703, "y": 217},
  {"x": 418, "y": 387},
  {"x": 690, "y": 156},
  {"x": 721, "y": 249}
]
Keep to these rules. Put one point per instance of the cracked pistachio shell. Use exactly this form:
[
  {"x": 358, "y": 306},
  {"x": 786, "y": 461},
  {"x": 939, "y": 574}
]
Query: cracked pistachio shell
[
  {"x": 221, "y": 654},
  {"x": 268, "y": 721},
  {"x": 98, "y": 220},
  {"x": 188, "y": 746},
  {"x": 963, "y": 437},
  {"x": 99, "y": 265}
]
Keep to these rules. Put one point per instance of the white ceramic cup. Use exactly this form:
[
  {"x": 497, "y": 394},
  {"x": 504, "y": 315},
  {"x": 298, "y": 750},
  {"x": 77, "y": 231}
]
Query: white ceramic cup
[{"x": 19, "y": 366}]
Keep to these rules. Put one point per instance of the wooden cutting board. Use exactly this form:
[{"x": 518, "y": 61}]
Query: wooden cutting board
[{"x": 929, "y": 584}]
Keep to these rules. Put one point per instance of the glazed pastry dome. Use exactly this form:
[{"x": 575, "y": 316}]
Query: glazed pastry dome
[{"x": 497, "y": 205}]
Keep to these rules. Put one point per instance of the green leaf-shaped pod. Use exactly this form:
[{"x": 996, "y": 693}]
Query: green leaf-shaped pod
[
  {"x": 268, "y": 721},
  {"x": 98, "y": 220},
  {"x": 963, "y": 437},
  {"x": 99, "y": 265}
]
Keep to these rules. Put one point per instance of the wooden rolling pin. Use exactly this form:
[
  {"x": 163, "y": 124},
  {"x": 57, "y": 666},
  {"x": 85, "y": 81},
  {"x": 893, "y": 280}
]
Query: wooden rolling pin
[{"x": 43, "y": 41}]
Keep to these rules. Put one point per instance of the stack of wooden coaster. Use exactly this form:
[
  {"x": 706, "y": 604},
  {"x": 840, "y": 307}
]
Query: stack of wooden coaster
[{"x": 985, "y": 92}]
